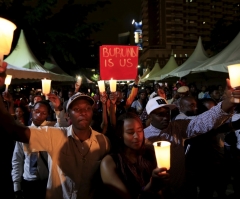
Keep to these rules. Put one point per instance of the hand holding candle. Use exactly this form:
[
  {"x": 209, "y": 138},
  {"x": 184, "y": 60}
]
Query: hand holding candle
[
  {"x": 6, "y": 32},
  {"x": 113, "y": 85},
  {"x": 162, "y": 152},
  {"x": 46, "y": 86},
  {"x": 7, "y": 82}
]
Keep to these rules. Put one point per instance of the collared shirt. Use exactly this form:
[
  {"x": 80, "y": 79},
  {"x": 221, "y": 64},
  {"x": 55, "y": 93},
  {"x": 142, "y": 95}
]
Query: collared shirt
[
  {"x": 177, "y": 131},
  {"x": 182, "y": 116},
  {"x": 74, "y": 164},
  {"x": 21, "y": 162},
  {"x": 236, "y": 117}
]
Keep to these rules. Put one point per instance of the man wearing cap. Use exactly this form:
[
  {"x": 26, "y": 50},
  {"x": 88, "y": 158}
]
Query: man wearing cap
[
  {"x": 175, "y": 132},
  {"x": 181, "y": 92},
  {"x": 76, "y": 151}
]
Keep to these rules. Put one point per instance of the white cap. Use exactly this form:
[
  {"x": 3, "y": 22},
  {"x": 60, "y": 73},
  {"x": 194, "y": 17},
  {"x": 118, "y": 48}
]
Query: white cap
[
  {"x": 157, "y": 102},
  {"x": 183, "y": 89},
  {"x": 79, "y": 95}
]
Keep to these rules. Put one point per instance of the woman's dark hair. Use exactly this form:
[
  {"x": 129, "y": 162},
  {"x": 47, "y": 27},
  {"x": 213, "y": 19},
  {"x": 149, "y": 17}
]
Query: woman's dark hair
[
  {"x": 46, "y": 103},
  {"x": 146, "y": 161},
  {"x": 120, "y": 130}
]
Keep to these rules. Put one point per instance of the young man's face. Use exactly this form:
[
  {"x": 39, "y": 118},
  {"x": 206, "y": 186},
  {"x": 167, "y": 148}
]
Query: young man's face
[
  {"x": 160, "y": 117},
  {"x": 39, "y": 114},
  {"x": 80, "y": 114}
]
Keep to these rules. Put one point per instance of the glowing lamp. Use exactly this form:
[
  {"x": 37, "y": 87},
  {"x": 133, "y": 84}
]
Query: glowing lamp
[
  {"x": 101, "y": 86},
  {"x": 113, "y": 85},
  {"x": 7, "y": 82},
  {"x": 162, "y": 152},
  {"x": 6, "y": 37},
  {"x": 234, "y": 75},
  {"x": 46, "y": 86}
]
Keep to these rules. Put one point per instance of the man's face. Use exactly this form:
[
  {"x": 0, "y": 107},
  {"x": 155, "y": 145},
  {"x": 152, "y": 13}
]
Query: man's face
[
  {"x": 183, "y": 94},
  {"x": 189, "y": 107},
  {"x": 80, "y": 113},
  {"x": 37, "y": 99},
  {"x": 30, "y": 98},
  {"x": 70, "y": 94},
  {"x": 160, "y": 117},
  {"x": 39, "y": 114},
  {"x": 215, "y": 95},
  {"x": 19, "y": 112}
]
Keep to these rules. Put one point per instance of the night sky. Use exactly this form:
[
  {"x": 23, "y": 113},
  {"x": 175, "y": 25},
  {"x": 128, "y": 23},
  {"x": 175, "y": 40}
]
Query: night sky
[{"x": 119, "y": 15}]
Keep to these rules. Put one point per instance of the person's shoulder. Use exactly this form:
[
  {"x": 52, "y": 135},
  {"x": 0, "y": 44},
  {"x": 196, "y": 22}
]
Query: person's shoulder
[{"x": 108, "y": 162}]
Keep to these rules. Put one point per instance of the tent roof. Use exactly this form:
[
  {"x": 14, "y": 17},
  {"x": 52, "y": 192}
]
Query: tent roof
[
  {"x": 170, "y": 65},
  {"x": 22, "y": 59},
  {"x": 155, "y": 69},
  {"x": 228, "y": 56},
  {"x": 197, "y": 57},
  {"x": 145, "y": 73}
]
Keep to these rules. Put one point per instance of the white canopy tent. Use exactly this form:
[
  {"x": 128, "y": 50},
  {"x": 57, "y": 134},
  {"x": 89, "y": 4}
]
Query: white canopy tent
[
  {"x": 196, "y": 58},
  {"x": 145, "y": 73},
  {"x": 155, "y": 69},
  {"x": 218, "y": 63},
  {"x": 170, "y": 66},
  {"x": 22, "y": 64}
]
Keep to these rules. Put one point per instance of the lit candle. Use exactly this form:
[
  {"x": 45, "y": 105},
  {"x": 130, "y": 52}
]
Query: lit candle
[
  {"x": 101, "y": 86},
  {"x": 113, "y": 85},
  {"x": 234, "y": 75},
  {"x": 8, "y": 80},
  {"x": 79, "y": 80},
  {"x": 162, "y": 152},
  {"x": 165, "y": 83},
  {"x": 6, "y": 32},
  {"x": 46, "y": 86}
]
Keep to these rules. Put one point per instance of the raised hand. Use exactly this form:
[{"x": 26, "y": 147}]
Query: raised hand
[
  {"x": 103, "y": 97},
  {"x": 55, "y": 100},
  {"x": 113, "y": 97}
]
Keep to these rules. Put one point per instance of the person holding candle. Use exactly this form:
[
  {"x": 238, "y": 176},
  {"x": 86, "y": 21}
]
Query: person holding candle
[
  {"x": 177, "y": 131},
  {"x": 131, "y": 170},
  {"x": 76, "y": 151}
]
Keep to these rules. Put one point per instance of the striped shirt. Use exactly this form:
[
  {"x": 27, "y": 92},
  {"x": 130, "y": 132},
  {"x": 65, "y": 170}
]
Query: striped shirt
[{"x": 178, "y": 130}]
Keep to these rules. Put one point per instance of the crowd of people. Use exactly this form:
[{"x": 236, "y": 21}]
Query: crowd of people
[{"x": 99, "y": 145}]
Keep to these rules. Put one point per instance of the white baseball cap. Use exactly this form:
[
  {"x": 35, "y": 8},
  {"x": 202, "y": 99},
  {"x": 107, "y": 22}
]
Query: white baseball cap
[
  {"x": 79, "y": 95},
  {"x": 157, "y": 102}
]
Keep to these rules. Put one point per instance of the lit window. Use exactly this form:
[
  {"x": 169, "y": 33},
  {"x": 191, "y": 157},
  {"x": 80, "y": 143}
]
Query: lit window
[
  {"x": 190, "y": 0},
  {"x": 185, "y": 55},
  {"x": 203, "y": 22},
  {"x": 180, "y": 55},
  {"x": 212, "y": 6},
  {"x": 175, "y": 55}
]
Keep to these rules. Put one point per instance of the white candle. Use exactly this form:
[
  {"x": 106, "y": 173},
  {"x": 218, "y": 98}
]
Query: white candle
[
  {"x": 8, "y": 80},
  {"x": 113, "y": 85},
  {"x": 6, "y": 32},
  {"x": 46, "y": 86},
  {"x": 162, "y": 152},
  {"x": 234, "y": 76},
  {"x": 79, "y": 80},
  {"x": 101, "y": 86}
]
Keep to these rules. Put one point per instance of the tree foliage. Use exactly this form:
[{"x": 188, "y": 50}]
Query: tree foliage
[{"x": 55, "y": 28}]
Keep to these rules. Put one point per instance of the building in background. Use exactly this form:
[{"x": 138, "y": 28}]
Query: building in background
[{"x": 177, "y": 24}]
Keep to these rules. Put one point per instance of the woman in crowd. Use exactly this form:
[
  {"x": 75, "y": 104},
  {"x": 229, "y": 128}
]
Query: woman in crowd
[
  {"x": 139, "y": 104},
  {"x": 130, "y": 171}
]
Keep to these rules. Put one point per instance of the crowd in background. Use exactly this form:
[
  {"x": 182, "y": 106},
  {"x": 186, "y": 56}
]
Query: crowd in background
[{"x": 211, "y": 160}]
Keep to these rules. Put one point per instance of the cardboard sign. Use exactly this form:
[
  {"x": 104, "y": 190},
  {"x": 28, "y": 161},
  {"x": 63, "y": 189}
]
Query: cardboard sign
[{"x": 118, "y": 62}]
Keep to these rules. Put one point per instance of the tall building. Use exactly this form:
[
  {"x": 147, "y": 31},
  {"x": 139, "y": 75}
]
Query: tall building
[{"x": 177, "y": 24}]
